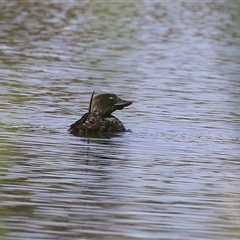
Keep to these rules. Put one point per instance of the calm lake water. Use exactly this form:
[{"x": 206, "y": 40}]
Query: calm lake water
[{"x": 176, "y": 175}]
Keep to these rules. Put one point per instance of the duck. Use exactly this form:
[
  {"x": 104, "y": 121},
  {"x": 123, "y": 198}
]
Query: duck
[{"x": 99, "y": 119}]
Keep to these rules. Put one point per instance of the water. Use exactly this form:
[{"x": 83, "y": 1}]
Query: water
[{"x": 176, "y": 175}]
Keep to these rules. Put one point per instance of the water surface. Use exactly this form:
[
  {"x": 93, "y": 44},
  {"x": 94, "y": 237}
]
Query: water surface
[{"x": 176, "y": 175}]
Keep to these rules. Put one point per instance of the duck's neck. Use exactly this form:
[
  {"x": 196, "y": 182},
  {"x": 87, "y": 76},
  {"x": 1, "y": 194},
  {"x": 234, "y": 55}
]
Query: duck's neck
[{"x": 100, "y": 113}]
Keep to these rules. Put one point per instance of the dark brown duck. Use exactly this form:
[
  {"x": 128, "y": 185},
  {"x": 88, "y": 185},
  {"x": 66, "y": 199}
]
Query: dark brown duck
[{"x": 99, "y": 119}]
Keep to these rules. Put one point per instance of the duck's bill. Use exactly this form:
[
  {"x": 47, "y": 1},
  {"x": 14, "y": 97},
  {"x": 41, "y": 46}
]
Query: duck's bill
[{"x": 122, "y": 103}]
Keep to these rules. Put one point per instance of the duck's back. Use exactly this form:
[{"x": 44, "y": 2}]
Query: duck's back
[
  {"x": 77, "y": 127},
  {"x": 91, "y": 123}
]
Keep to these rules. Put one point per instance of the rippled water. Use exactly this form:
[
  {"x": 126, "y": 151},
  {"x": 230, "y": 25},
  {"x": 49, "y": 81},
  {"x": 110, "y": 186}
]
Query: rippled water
[{"x": 176, "y": 175}]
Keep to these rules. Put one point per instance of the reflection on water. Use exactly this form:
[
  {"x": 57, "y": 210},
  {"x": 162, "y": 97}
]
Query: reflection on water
[{"x": 176, "y": 175}]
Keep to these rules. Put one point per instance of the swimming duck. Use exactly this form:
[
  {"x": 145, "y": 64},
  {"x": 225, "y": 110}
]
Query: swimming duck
[{"x": 98, "y": 119}]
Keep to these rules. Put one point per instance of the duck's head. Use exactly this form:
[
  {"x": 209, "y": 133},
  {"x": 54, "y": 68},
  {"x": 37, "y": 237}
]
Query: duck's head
[{"x": 105, "y": 104}]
